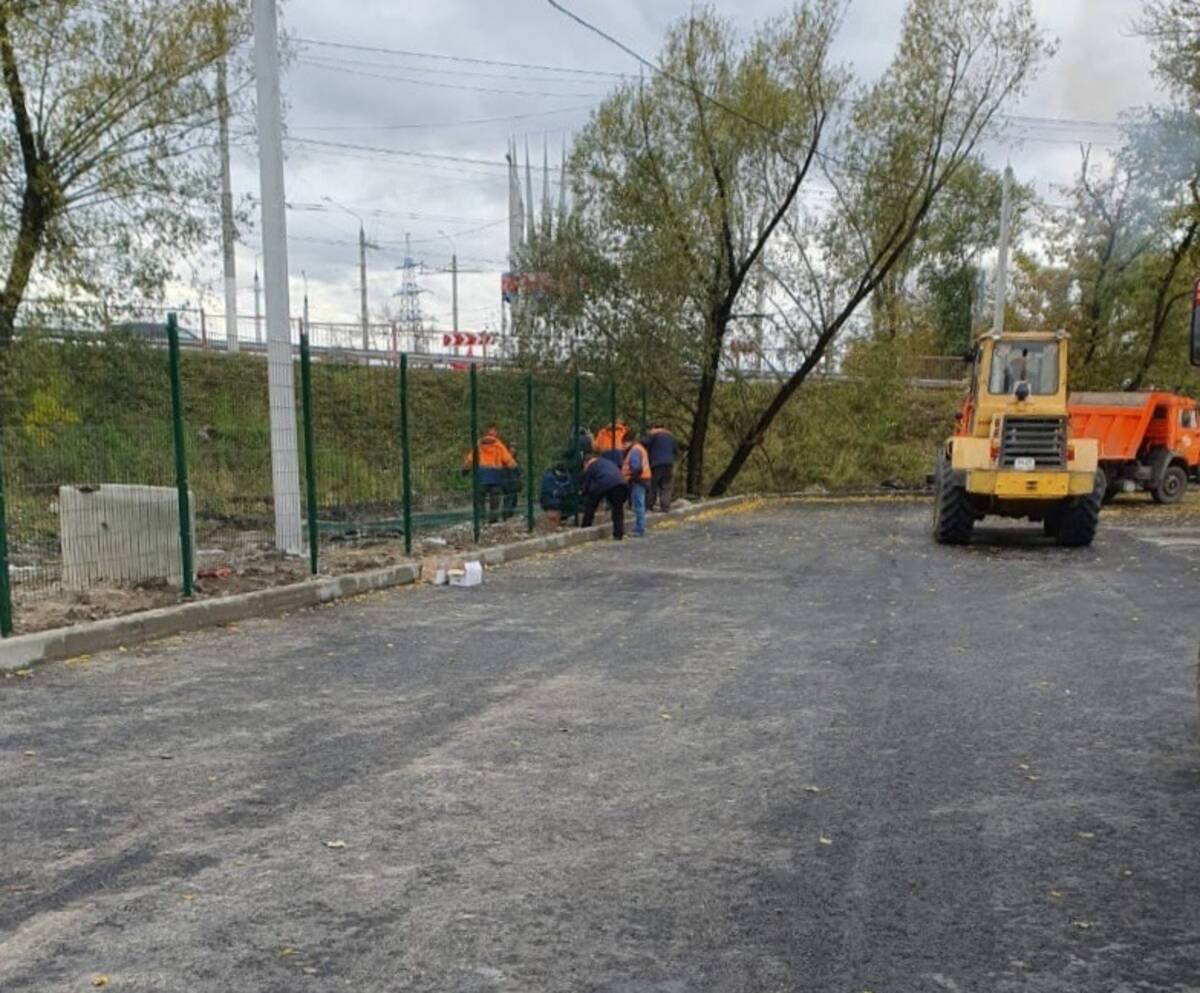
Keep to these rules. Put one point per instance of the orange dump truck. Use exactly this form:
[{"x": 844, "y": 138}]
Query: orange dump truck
[{"x": 1148, "y": 441}]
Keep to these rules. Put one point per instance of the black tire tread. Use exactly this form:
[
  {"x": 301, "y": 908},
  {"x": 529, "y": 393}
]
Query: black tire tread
[
  {"x": 1078, "y": 522},
  {"x": 1160, "y": 495},
  {"x": 954, "y": 520}
]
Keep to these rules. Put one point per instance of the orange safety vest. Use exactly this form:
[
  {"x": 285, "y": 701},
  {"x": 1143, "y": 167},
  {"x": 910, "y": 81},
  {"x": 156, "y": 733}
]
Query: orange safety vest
[
  {"x": 493, "y": 454},
  {"x": 627, "y": 471},
  {"x": 609, "y": 437}
]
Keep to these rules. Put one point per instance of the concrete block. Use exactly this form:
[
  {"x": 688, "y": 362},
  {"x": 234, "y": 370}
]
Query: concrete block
[{"x": 120, "y": 534}]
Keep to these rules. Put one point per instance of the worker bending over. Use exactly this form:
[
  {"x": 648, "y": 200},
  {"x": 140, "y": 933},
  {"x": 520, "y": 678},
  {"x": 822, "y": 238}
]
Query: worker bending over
[
  {"x": 603, "y": 481},
  {"x": 663, "y": 450},
  {"x": 494, "y": 467}
]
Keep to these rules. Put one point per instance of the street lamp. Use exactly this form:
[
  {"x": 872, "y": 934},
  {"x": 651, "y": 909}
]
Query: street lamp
[
  {"x": 453, "y": 276},
  {"x": 362, "y": 270}
]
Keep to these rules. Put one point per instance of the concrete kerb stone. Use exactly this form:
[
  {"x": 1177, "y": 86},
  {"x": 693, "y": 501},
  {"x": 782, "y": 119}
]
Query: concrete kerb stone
[
  {"x": 26, "y": 650},
  {"x": 112, "y": 632}
]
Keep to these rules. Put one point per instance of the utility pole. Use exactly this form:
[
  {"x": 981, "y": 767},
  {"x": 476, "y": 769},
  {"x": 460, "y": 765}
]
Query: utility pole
[
  {"x": 285, "y": 462},
  {"x": 453, "y": 278},
  {"x": 362, "y": 271},
  {"x": 227, "y": 232},
  {"x": 362, "y": 286},
  {"x": 1002, "y": 259}
]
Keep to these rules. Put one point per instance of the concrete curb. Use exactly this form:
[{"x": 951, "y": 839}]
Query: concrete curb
[{"x": 26, "y": 650}]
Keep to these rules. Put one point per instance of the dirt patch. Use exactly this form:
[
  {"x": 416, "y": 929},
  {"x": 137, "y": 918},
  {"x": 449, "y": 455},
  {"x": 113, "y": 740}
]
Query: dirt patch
[{"x": 246, "y": 568}]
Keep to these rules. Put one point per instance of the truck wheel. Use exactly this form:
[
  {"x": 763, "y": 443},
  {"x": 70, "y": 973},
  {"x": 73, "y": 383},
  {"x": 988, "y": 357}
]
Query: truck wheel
[
  {"x": 953, "y": 518},
  {"x": 1172, "y": 486},
  {"x": 1050, "y": 524},
  {"x": 1077, "y": 522}
]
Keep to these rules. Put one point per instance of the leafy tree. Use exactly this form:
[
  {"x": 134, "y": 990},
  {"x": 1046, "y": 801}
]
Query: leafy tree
[
  {"x": 106, "y": 150},
  {"x": 1173, "y": 29},
  {"x": 906, "y": 139},
  {"x": 688, "y": 174}
]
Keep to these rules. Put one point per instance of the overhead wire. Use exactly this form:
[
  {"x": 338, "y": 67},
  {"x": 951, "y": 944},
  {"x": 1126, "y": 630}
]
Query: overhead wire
[
  {"x": 380, "y": 50},
  {"x": 444, "y": 124},
  {"x": 573, "y": 95}
]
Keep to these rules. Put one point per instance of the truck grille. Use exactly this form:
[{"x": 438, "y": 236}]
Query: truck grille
[{"x": 1043, "y": 439}]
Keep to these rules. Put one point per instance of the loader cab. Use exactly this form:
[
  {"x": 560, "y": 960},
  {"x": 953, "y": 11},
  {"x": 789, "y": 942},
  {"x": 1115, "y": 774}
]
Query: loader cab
[{"x": 1015, "y": 375}]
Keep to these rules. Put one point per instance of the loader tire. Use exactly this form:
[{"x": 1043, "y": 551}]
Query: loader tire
[
  {"x": 1171, "y": 486},
  {"x": 953, "y": 518},
  {"x": 1077, "y": 523}
]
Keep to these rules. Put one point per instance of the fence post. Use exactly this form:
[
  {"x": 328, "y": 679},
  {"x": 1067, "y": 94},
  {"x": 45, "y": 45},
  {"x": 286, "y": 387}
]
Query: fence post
[
  {"x": 6, "y": 609},
  {"x": 474, "y": 454},
  {"x": 181, "y": 471},
  {"x": 612, "y": 408},
  {"x": 405, "y": 466},
  {"x": 310, "y": 455},
  {"x": 576, "y": 453},
  {"x": 530, "y": 461}
]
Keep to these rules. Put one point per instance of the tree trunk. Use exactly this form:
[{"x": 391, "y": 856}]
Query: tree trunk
[
  {"x": 709, "y": 374},
  {"x": 30, "y": 233},
  {"x": 38, "y": 200},
  {"x": 754, "y": 436},
  {"x": 1163, "y": 305}
]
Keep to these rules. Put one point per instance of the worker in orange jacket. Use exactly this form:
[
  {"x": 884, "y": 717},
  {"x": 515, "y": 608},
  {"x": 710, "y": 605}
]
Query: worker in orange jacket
[
  {"x": 610, "y": 440},
  {"x": 494, "y": 465},
  {"x": 636, "y": 470}
]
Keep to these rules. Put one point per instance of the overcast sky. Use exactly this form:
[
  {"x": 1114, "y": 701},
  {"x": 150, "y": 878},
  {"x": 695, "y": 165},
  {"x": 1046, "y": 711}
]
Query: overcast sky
[{"x": 444, "y": 106}]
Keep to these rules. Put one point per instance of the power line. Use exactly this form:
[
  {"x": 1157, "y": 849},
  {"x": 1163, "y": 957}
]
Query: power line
[
  {"x": 444, "y": 86},
  {"x": 444, "y": 124},
  {"x": 443, "y": 71},
  {"x": 458, "y": 58},
  {"x": 406, "y": 153}
]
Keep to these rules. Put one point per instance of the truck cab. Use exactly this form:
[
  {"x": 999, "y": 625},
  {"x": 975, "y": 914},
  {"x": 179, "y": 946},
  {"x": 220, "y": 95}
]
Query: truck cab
[
  {"x": 1148, "y": 440},
  {"x": 1012, "y": 453}
]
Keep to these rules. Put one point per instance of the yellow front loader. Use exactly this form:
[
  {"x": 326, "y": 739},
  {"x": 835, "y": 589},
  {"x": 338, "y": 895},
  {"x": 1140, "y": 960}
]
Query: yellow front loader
[{"x": 1012, "y": 454}]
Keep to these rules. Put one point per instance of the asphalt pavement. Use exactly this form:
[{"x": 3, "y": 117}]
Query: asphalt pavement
[{"x": 802, "y": 749}]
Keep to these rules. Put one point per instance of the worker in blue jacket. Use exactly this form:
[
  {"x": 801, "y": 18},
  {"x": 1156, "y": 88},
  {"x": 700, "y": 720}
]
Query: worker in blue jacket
[
  {"x": 603, "y": 481},
  {"x": 558, "y": 495},
  {"x": 663, "y": 450}
]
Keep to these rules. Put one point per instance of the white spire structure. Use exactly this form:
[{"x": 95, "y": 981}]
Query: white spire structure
[
  {"x": 562, "y": 188},
  {"x": 530, "y": 229},
  {"x": 516, "y": 208},
  {"x": 547, "y": 217}
]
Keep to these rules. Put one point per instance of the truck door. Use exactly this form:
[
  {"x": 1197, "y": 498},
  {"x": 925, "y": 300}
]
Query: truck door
[
  {"x": 1189, "y": 435},
  {"x": 1160, "y": 429}
]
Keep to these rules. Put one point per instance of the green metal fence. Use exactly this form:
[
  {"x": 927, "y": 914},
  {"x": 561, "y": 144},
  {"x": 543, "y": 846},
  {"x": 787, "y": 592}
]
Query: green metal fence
[{"x": 133, "y": 474}]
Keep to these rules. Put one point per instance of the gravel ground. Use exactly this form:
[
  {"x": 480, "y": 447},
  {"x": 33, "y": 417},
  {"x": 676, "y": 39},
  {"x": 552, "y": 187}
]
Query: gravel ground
[{"x": 798, "y": 749}]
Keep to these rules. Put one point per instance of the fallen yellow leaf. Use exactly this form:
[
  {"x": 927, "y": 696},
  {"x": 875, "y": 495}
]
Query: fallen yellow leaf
[
  {"x": 24, "y": 673},
  {"x": 335, "y": 844},
  {"x": 825, "y": 841},
  {"x": 665, "y": 717},
  {"x": 99, "y": 980}
]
